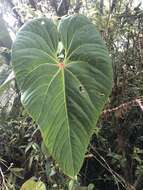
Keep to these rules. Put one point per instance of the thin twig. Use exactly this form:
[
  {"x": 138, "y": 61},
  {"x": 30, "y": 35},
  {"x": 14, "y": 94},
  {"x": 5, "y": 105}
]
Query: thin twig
[
  {"x": 124, "y": 106},
  {"x": 116, "y": 176}
]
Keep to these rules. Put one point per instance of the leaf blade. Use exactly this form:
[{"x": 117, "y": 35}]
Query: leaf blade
[{"x": 65, "y": 101}]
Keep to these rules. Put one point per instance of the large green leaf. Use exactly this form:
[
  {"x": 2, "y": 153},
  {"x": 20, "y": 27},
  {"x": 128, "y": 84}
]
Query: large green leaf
[{"x": 65, "y": 77}]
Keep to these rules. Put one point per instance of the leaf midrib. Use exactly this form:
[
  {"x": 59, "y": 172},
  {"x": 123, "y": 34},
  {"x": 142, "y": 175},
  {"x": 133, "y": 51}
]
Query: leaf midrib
[{"x": 69, "y": 137}]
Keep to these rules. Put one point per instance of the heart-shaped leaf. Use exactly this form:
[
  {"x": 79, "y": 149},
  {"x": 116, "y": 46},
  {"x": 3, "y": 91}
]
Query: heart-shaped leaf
[{"x": 65, "y": 78}]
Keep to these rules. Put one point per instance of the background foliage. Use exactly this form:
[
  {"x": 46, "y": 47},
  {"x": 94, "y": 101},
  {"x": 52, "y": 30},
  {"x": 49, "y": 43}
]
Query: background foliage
[{"x": 114, "y": 159}]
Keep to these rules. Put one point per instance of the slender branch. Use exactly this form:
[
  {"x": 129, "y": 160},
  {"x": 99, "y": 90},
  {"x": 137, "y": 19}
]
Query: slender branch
[
  {"x": 124, "y": 107},
  {"x": 102, "y": 161}
]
